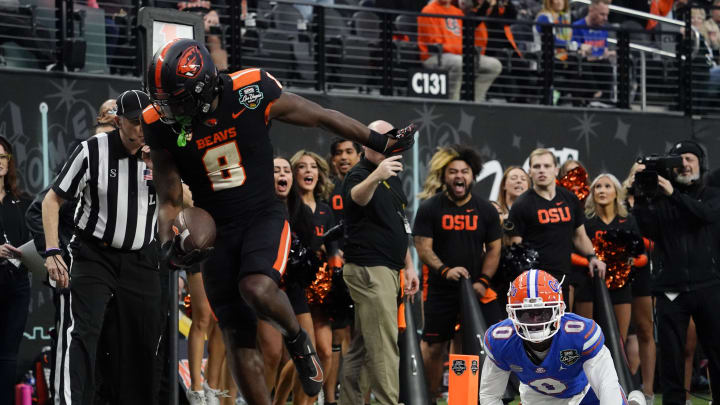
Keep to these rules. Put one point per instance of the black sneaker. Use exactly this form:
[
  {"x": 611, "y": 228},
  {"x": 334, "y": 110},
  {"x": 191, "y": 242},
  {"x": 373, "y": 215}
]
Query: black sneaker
[{"x": 306, "y": 362}]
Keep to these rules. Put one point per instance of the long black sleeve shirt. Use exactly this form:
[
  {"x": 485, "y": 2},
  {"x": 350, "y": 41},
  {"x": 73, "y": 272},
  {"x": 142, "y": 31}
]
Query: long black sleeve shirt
[{"x": 686, "y": 229}]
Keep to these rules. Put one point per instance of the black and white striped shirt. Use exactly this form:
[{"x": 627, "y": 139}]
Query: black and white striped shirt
[{"x": 117, "y": 200}]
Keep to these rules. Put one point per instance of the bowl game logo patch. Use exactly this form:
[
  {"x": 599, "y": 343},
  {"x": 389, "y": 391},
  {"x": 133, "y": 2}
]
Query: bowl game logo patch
[
  {"x": 250, "y": 96},
  {"x": 458, "y": 367},
  {"x": 569, "y": 357}
]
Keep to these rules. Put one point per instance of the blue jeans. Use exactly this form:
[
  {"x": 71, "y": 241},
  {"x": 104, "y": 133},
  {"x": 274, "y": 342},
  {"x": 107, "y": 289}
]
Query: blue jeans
[{"x": 14, "y": 303}]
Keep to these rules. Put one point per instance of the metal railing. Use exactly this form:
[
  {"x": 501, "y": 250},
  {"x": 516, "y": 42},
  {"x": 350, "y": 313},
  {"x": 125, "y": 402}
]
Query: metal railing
[{"x": 352, "y": 48}]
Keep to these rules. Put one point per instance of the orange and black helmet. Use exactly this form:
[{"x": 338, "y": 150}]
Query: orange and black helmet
[{"x": 182, "y": 80}]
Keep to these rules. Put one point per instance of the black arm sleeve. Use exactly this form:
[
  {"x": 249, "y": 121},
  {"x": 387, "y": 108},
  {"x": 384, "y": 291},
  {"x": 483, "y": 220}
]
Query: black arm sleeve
[
  {"x": 33, "y": 220},
  {"x": 706, "y": 210}
]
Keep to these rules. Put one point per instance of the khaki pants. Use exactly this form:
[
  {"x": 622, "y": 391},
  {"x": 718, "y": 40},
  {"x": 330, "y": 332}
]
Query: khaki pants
[
  {"x": 488, "y": 68},
  {"x": 374, "y": 291}
]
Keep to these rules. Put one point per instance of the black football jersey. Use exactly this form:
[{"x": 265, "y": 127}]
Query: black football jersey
[{"x": 227, "y": 160}]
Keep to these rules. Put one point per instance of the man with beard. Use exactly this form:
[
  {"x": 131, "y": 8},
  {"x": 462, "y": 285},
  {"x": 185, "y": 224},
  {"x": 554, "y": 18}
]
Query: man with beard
[
  {"x": 683, "y": 221},
  {"x": 457, "y": 235},
  {"x": 549, "y": 219},
  {"x": 344, "y": 155}
]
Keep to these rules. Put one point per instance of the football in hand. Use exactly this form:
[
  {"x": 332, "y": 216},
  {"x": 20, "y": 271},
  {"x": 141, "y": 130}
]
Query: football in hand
[{"x": 196, "y": 229}]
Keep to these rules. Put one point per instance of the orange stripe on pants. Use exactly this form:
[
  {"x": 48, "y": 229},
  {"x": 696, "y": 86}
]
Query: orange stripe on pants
[{"x": 283, "y": 249}]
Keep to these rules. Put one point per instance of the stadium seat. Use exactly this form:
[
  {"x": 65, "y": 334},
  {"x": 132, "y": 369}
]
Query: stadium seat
[
  {"x": 407, "y": 53},
  {"x": 347, "y": 13},
  {"x": 276, "y": 53},
  {"x": 285, "y": 17},
  {"x": 367, "y": 25}
]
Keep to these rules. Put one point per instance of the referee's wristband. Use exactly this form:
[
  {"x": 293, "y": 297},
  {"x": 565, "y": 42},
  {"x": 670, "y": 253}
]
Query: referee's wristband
[
  {"x": 443, "y": 270},
  {"x": 51, "y": 252}
]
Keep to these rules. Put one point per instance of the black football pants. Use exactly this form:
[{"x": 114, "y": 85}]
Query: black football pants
[
  {"x": 672, "y": 322},
  {"x": 131, "y": 279}
]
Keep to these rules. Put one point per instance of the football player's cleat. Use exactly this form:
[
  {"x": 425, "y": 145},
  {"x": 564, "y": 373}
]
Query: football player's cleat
[{"x": 307, "y": 363}]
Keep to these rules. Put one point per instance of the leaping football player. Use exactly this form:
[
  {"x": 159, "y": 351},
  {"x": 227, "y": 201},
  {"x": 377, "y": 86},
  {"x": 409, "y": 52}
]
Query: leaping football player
[
  {"x": 559, "y": 358},
  {"x": 212, "y": 131}
]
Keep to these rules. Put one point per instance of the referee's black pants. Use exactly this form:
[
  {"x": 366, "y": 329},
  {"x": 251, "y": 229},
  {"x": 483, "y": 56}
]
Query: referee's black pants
[
  {"x": 672, "y": 322},
  {"x": 131, "y": 279}
]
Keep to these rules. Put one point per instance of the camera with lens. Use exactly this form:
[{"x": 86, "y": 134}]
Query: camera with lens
[{"x": 646, "y": 181}]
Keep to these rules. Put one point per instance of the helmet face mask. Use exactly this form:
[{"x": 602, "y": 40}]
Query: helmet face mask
[
  {"x": 536, "y": 321},
  {"x": 173, "y": 109},
  {"x": 535, "y": 306}
]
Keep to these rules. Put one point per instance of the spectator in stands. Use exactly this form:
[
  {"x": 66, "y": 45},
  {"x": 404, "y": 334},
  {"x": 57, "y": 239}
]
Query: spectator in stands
[
  {"x": 555, "y": 12},
  {"x": 501, "y": 44},
  {"x": 715, "y": 12},
  {"x": 660, "y": 8},
  {"x": 591, "y": 39},
  {"x": 706, "y": 27},
  {"x": 448, "y": 33},
  {"x": 558, "y": 12},
  {"x": 14, "y": 279},
  {"x": 213, "y": 32}
]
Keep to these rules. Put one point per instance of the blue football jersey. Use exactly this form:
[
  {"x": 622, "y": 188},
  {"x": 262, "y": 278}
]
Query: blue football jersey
[{"x": 561, "y": 373}]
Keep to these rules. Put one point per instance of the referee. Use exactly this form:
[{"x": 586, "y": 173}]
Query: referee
[{"x": 113, "y": 257}]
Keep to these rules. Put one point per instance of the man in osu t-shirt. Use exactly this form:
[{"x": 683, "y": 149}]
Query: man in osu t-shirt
[
  {"x": 549, "y": 220},
  {"x": 212, "y": 131},
  {"x": 457, "y": 234}
]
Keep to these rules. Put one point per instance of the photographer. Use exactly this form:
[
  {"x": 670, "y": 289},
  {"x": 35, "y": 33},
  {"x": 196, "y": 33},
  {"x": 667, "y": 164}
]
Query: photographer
[{"x": 681, "y": 217}]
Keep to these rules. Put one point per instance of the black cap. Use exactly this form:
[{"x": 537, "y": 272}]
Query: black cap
[
  {"x": 131, "y": 103},
  {"x": 687, "y": 146}
]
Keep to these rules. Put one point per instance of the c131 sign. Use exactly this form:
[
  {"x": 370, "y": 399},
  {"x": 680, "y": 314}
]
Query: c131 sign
[{"x": 428, "y": 83}]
